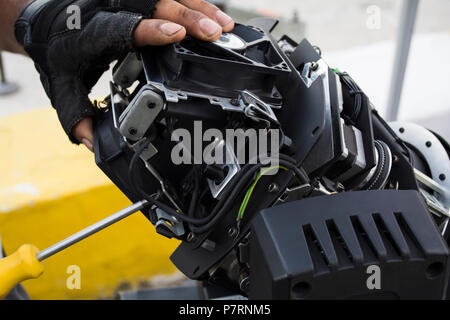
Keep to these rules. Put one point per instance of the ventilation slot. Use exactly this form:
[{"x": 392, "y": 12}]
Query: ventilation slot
[
  {"x": 315, "y": 250},
  {"x": 391, "y": 246},
  {"x": 344, "y": 256},
  {"x": 413, "y": 244},
  {"x": 367, "y": 247}
]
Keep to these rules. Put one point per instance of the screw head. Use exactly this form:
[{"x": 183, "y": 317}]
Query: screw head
[
  {"x": 190, "y": 237},
  {"x": 273, "y": 187},
  {"x": 442, "y": 177},
  {"x": 428, "y": 144},
  {"x": 232, "y": 232},
  {"x": 314, "y": 66},
  {"x": 395, "y": 158},
  {"x": 235, "y": 102},
  {"x": 244, "y": 283},
  {"x": 132, "y": 131}
]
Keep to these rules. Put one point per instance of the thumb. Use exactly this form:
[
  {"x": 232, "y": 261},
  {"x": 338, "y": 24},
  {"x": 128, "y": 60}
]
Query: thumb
[
  {"x": 74, "y": 108},
  {"x": 83, "y": 132}
]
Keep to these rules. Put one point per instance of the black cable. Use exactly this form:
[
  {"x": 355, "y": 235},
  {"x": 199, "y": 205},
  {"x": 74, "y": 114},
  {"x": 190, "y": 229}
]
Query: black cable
[
  {"x": 193, "y": 203},
  {"x": 237, "y": 189},
  {"x": 149, "y": 198},
  {"x": 167, "y": 209},
  {"x": 356, "y": 92},
  {"x": 224, "y": 203},
  {"x": 242, "y": 178},
  {"x": 300, "y": 171}
]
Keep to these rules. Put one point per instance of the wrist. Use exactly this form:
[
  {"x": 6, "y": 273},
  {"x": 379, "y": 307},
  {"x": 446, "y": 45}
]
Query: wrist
[
  {"x": 21, "y": 4},
  {"x": 9, "y": 12}
]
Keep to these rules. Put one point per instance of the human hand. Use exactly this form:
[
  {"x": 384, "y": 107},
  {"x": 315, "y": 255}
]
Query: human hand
[{"x": 71, "y": 61}]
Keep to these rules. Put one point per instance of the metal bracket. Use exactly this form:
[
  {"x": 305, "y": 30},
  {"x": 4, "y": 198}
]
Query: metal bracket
[
  {"x": 227, "y": 104},
  {"x": 258, "y": 110},
  {"x": 233, "y": 169},
  {"x": 312, "y": 71},
  {"x": 169, "y": 222},
  {"x": 137, "y": 118},
  {"x": 128, "y": 71}
]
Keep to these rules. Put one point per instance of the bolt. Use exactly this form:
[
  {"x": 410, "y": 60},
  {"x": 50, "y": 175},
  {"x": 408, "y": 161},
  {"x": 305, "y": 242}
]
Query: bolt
[
  {"x": 428, "y": 144},
  {"x": 442, "y": 177},
  {"x": 339, "y": 187},
  {"x": 319, "y": 52},
  {"x": 190, "y": 237},
  {"x": 314, "y": 66},
  {"x": 232, "y": 232},
  {"x": 151, "y": 105},
  {"x": 395, "y": 159},
  {"x": 401, "y": 130},
  {"x": 102, "y": 105},
  {"x": 273, "y": 187},
  {"x": 244, "y": 283},
  {"x": 234, "y": 102},
  {"x": 132, "y": 131}
]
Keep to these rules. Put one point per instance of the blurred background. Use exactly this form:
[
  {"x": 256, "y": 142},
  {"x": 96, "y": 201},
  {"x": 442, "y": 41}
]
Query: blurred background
[{"x": 51, "y": 189}]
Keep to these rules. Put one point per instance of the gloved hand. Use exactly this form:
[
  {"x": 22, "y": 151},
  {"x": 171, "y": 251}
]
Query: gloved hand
[{"x": 70, "y": 61}]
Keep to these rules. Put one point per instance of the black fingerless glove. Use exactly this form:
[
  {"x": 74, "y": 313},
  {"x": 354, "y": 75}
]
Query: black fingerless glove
[{"x": 71, "y": 60}]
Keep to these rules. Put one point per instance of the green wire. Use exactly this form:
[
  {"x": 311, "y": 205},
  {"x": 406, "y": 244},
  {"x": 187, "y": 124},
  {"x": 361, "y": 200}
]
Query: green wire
[{"x": 250, "y": 190}]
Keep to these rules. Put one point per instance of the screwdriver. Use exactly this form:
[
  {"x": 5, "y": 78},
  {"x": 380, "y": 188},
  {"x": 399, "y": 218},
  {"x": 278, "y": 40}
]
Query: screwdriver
[{"x": 26, "y": 262}]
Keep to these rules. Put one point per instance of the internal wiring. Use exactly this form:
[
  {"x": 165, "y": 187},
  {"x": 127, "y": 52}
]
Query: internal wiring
[
  {"x": 152, "y": 200},
  {"x": 356, "y": 92},
  {"x": 250, "y": 190},
  {"x": 204, "y": 224},
  {"x": 228, "y": 199}
]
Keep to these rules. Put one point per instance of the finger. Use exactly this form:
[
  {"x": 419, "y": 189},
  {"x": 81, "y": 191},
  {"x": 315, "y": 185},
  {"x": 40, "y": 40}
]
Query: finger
[
  {"x": 155, "y": 32},
  {"x": 196, "y": 23},
  {"x": 224, "y": 20},
  {"x": 83, "y": 132}
]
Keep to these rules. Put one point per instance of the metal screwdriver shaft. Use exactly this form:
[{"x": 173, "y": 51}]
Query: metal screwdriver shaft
[{"x": 44, "y": 254}]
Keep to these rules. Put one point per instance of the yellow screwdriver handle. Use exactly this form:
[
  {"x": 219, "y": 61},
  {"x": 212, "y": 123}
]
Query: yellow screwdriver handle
[{"x": 19, "y": 266}]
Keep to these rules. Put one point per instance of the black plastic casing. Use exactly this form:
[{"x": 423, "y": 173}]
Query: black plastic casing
[{"x": 321, "y": 248}]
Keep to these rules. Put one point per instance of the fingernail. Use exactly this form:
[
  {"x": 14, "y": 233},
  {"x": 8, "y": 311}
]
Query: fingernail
[
  {"x": 170, "y": 29},
  {"x": 223, "y": 18},
  {"x": 88, "y": 144},
  {"x": 209, "y": 27}
]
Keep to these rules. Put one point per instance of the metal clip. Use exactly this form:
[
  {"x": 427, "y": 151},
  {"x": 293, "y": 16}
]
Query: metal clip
[
  {"x": 168, "y": 222},
  {"x": 258, "y": 110}
]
